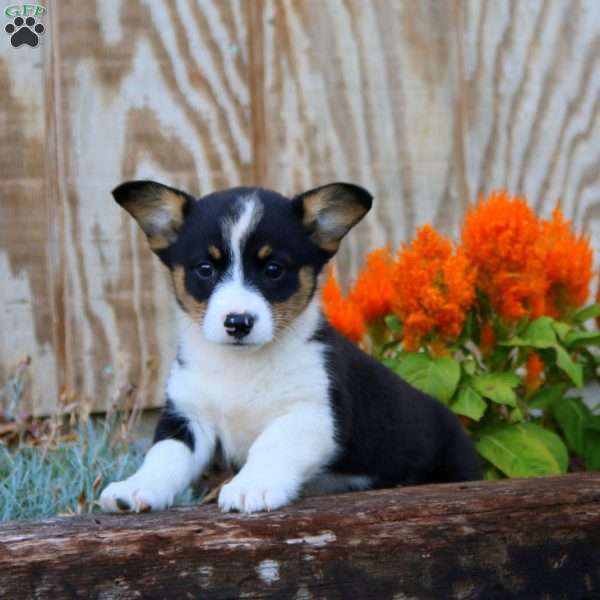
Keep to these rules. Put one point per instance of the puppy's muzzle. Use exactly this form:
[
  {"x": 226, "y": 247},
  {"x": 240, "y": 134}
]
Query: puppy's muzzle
[{"x": 239, "y": 325}]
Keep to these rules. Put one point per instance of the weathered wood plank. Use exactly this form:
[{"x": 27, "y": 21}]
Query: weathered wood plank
[
  {"x": 428, "y": 104},
  {"x": 30, "y": 228},
  {"x": 512, "y": 539},
  {"x": 150, "y": 90},
  {"x": 365, "y": 92},
  {"x": 531, "y": 104}
]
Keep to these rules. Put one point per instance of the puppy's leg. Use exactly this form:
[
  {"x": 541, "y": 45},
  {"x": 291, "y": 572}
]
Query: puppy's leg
[
  {"x": 181, "y": 452},
  {"x": 291, "y": 450}
]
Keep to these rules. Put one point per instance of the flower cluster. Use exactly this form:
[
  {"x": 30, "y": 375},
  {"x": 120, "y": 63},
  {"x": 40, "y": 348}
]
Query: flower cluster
[
  {"x": 523, "y": 266},
  {"x": 369, "y": 300},
  {"x": 434, "y": 286},
  {"x": 493, "y": 327},
  {"x": 526, "y": 265},
  {"x": 567, "y": 266},
  {"x": 498, "y": 236},
  {"x": 343, "y": 314},
  {"x": 429, "y": 285}
]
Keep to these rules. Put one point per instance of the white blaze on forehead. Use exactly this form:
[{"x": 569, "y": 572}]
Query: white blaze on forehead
[
  {"x": 237, "y": 231},
  {"x": 233, "y": 294}
]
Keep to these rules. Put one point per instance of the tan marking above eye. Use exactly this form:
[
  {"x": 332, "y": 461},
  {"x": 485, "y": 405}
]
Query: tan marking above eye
[
  {"x": 215, "y": 253},
  {"x": 265, "y": 252}
]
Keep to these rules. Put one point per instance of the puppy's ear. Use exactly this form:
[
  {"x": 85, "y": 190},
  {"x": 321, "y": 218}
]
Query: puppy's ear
[
  {"x": 330, "y": 211},
  {"x": 160, "y": 210}
]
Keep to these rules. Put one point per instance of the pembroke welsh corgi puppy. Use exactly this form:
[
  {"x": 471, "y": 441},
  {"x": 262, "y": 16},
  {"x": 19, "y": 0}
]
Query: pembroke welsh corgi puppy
[{"x": 293, "y": 405}]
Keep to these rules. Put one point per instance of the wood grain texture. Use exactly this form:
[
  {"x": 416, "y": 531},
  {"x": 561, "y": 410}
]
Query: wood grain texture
[
  {"x": 149, "y": 90},
  {"x": 531, "y": 104},
  {"x": 31, "y": 317},
  {"x": 536, "y": 538},
  {"x": 427, "y": 104},
  {"x": 368, "y": 90}
]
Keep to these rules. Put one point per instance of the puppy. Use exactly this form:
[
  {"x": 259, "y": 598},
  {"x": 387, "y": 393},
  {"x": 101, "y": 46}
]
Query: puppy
[{"x": 294, "y": 406}]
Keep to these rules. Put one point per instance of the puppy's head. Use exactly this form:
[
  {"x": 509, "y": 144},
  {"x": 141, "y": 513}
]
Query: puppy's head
[{"x": 244, "y": 262}]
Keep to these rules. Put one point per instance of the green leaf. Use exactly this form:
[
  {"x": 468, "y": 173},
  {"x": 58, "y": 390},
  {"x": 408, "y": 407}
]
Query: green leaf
[
  {"x": 593, "y": 423},
  {"x": 393, "y": 323},
  {"x": 391, "y": 345},
  {"x": 582, "y": 338},
  {"x": 591, "y": 433},
  {"x": 523, "y": 450},
  {"x": 436, "y": 376},
  {"x": 514, "y": 341},
  {"x": 490, "y": 473},
  {"x": 589, "y": 312},
  {"x": 470, "y": 330},
  {"x": 469, "y": 365},
  {"x": 391, "y": 363},
  {"x": 562, "y": 329},
  {"x": 522, "y": 325},
  {"x": 469, "y": 403},
  {"x": 538, "y": 334},
  {"x": 592, "y": 451},
  {"x": 572, "y": 414},
  {"x": 552, "y": 441},
  {"x": 516, "y": 415},
  {"x": 571, "y": 368},
  {"x": 547, "y": 395},
  {"x": 498, "y": 387}
]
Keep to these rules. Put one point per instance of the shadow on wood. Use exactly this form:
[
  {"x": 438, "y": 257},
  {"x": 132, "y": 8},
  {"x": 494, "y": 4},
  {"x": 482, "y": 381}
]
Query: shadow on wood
[{"x": 535, "y": 538}]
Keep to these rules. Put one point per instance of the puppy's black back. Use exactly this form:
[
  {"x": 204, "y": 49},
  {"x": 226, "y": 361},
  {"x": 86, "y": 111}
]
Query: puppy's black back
[{"x": 387, "y": 429}]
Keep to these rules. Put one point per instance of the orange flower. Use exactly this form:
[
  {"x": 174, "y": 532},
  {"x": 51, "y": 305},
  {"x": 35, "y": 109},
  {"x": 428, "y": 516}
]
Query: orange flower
[
  {"x": 373, "y": 290},
  {"x": 487, "y": 338},
  {"x": 535, "y": 369},
  {"x": 433, "y": 288},
  {"x": 499, "y": 237},
  {"x": 567, "y": 261},
  {"x": 343, "y": 314}
]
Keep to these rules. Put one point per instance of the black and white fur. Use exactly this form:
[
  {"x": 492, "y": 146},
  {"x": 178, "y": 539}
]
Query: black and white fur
[{"x": 296, "y": 407}]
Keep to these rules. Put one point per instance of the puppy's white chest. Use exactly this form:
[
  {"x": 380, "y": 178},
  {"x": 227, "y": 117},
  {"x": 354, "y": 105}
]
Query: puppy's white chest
[{"x": 238, "y": 398}]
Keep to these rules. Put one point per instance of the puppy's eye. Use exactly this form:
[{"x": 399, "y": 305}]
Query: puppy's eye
[
  {"x": 204, "y": 270},
  {"x": 274, "y": 270}
]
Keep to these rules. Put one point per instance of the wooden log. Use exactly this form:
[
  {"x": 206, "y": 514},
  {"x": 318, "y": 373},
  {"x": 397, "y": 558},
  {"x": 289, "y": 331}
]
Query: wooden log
[{"x": 511, "y": 539}]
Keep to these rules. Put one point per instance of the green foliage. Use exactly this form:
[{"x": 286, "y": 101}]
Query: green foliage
[
  {"x": 585, "y": 314},
  {"x": 546, "y": 333},
  {"x": 497, "y": 387},
  {"x": 522, "y": 450},
  {"x": 538, "y": 334},
  {"x": 581, "y": 429},
  {"x": 545, "y": 397},
  {"x": 436, "y": 376},
  {"x": 469, "y": 403},
  {"x": 522, "y": 426}
]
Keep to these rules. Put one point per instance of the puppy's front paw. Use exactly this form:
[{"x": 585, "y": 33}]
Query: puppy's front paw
[
  {"x": 132, "y": 496},
  {"x": 248, "y": 495}
]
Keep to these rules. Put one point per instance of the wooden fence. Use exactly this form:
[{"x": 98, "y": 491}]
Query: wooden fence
[{"x": 428, "y": 103}]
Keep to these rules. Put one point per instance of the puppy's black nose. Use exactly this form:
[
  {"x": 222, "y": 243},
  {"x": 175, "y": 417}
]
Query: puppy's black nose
[{"x": 239, "y": 325}]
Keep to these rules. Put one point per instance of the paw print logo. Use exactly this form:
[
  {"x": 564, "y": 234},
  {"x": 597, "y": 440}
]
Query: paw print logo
[{"x": 24, "y": 32}]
